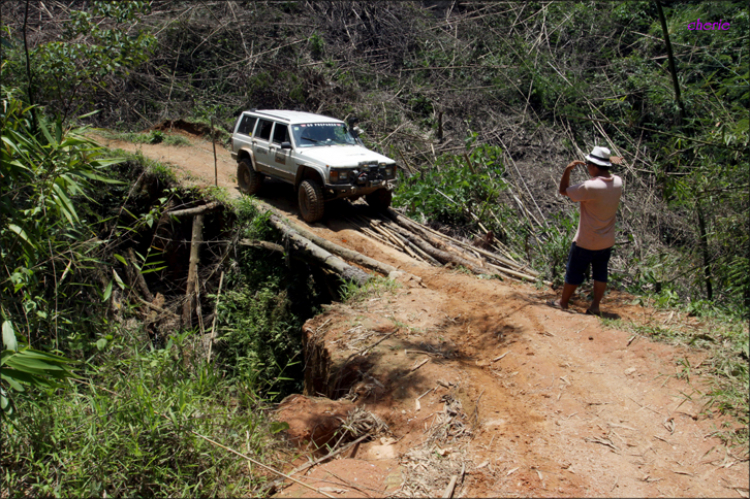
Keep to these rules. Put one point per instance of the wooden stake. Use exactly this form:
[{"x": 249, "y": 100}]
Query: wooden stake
[{"x": 195, "y": 245}]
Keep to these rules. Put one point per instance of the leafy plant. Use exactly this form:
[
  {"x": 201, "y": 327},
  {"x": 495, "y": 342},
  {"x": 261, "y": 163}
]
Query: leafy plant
[{"x": 43, "y": 175}]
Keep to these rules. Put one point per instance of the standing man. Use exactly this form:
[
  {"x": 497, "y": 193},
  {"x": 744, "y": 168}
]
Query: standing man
[{"x": 599, "y": 198}]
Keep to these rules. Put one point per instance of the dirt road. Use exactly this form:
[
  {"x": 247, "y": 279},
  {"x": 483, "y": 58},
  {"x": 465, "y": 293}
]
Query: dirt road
[{"x": 517, "y": 398}]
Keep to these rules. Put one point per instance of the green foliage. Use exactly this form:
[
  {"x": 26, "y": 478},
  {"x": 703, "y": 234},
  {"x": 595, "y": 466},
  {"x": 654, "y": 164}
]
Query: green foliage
[
  {"x": 262, "y": 312},
  {"x": 317, "y": 46},
  {"x": 44, "y": 176},
  {"x": 96, "y": 45},
  {"x": 552, "y": 255},
  {"x": 26, "y": 367},
  {"x": 457, "y": 187},
  {"x": 130, "y": 429}
]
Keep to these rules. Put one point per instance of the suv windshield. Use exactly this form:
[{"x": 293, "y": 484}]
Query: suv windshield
[{"x": 321, "y": 134}]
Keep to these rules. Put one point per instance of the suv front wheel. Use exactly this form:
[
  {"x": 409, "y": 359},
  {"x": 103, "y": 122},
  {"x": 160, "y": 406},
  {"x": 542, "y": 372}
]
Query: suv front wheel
[
  {"x": 379, "y": 200},
  {"x": 248, "y": 179},
  {"x": 310, "y": 198}
]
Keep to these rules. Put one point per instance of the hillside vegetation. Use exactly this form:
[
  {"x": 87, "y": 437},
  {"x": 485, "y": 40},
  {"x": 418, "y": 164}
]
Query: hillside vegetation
[{"x": 482, "y": 104}]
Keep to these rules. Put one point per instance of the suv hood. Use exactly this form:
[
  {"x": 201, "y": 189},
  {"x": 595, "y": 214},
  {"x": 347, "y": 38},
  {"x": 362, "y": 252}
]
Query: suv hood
[{"x": 341, "y": 155}]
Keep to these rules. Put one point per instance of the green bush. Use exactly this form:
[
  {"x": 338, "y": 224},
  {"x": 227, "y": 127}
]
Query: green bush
[{"x": 458, "y": 186}]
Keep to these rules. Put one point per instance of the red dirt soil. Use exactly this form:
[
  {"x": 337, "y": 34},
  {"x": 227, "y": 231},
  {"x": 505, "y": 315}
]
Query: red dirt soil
[{"x": 554, "y": 404}]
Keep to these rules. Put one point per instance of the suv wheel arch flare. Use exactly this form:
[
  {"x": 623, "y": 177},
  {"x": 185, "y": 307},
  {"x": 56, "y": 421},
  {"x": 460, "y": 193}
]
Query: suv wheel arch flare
[
  {"x": 246, "y": 153},
  {"x": 305, "y": 172}
]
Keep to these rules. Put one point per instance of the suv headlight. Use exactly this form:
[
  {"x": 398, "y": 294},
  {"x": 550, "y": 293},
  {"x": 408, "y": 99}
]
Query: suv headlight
[
  {"x": 338, "y": 175},
  {"x": 390, "y": 170}
]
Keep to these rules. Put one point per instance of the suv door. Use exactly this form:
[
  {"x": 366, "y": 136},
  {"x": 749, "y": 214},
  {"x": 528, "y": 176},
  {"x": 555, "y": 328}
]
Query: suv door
[
  {"x": 283, "y": 161},
  {"x": 260, "y": 144}
]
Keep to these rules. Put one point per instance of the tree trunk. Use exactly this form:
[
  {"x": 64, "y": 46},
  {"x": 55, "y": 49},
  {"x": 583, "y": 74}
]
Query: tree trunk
[
  {"x": 195, "y": 245},
  {"x": 345, "y": 253},
  {"x": 670, "y": 56}
]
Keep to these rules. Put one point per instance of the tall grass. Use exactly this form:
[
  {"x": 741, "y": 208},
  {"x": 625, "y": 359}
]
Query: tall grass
[{"x": 127, "y": 430}]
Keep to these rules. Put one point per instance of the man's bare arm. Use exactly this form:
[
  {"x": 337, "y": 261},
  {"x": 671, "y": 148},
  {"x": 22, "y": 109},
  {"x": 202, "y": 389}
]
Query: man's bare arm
[{"x": 565, "y": 180}]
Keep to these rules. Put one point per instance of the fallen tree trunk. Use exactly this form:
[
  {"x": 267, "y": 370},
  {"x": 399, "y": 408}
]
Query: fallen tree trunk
[
  {"x": 348, "y": 254},
  {"x": 328, "y": 247},
  {"x": 324, "y": 257}
]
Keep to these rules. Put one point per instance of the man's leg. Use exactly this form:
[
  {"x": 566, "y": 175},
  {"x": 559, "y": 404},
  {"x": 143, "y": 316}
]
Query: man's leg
[
  {"x": 567, "y": 293},
  {"x": 599, "y": 289},
  {"x": 599, "y": 273},
  {"x": 578, "y": 261}
]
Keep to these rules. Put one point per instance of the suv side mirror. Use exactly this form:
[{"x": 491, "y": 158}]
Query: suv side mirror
[{"x": 286, "y": 145}]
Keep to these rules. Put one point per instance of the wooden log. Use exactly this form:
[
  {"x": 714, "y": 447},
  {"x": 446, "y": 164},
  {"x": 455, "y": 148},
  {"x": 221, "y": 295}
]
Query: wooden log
[
  {"x": 411, "y": 224},
  {"x": 198, "y": 210},
  {"x": 519, "y": 275},
  {"x": 195, "y": 245},
  {"x": 345, "y": 253},
  {"x": 324, "y": 257},
  {"x": 443, "y": 256}
]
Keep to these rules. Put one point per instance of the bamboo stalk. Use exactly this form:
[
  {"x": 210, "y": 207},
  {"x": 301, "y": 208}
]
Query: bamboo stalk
[
  {"x": 198, "y": 306},
  {"x": 216, "y": 314},
  {"x": 378, "y": 237},
  {"x": 258, "y": 463}
]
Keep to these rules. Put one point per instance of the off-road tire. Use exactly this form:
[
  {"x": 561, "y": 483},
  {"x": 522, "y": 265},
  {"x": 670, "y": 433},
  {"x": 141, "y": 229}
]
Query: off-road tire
[
  {"x": 248, "y": 179},
  {"x": 311, "y": 203},
  {"x": 379, "y": 200}
]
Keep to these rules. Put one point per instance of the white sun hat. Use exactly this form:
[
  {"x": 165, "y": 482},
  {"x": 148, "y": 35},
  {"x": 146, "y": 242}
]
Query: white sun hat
[{"x": 600, "y": 156}]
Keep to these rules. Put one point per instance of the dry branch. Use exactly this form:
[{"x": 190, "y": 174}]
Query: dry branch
[
  {"x": 138, "y": 277},
  {"x": 262, "y": 244},
  {"x": 198, "y": 210}
]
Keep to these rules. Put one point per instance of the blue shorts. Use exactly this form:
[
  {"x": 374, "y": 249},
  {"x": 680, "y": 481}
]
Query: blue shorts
[{"x": 579, "y": 260}]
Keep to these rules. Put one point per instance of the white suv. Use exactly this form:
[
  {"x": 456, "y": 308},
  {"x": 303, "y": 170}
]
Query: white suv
[{"x": 317, "y": 154}]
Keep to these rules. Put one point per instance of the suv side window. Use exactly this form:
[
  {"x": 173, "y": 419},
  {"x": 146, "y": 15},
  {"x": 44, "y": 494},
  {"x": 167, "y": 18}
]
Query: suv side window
[
  {"x": 247, "y": 124},
  {"x": 281, "y": 133},
  {"x": 264, "y": 129}
]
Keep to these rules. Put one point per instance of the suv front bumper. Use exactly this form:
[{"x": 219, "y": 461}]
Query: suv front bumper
[{"x": 333, "y": 191}]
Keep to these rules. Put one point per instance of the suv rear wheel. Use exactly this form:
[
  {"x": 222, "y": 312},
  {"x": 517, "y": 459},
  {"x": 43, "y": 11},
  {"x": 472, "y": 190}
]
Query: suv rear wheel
[
  {"x": 248, "y": 179},
  {"x": 310, "y": 198},
  {"x": 379, "y": 200}
]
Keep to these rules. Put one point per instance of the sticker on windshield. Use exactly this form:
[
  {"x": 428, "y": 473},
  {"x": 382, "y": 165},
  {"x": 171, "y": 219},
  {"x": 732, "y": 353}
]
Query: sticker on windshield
[{"x": 319, "y": 124}]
